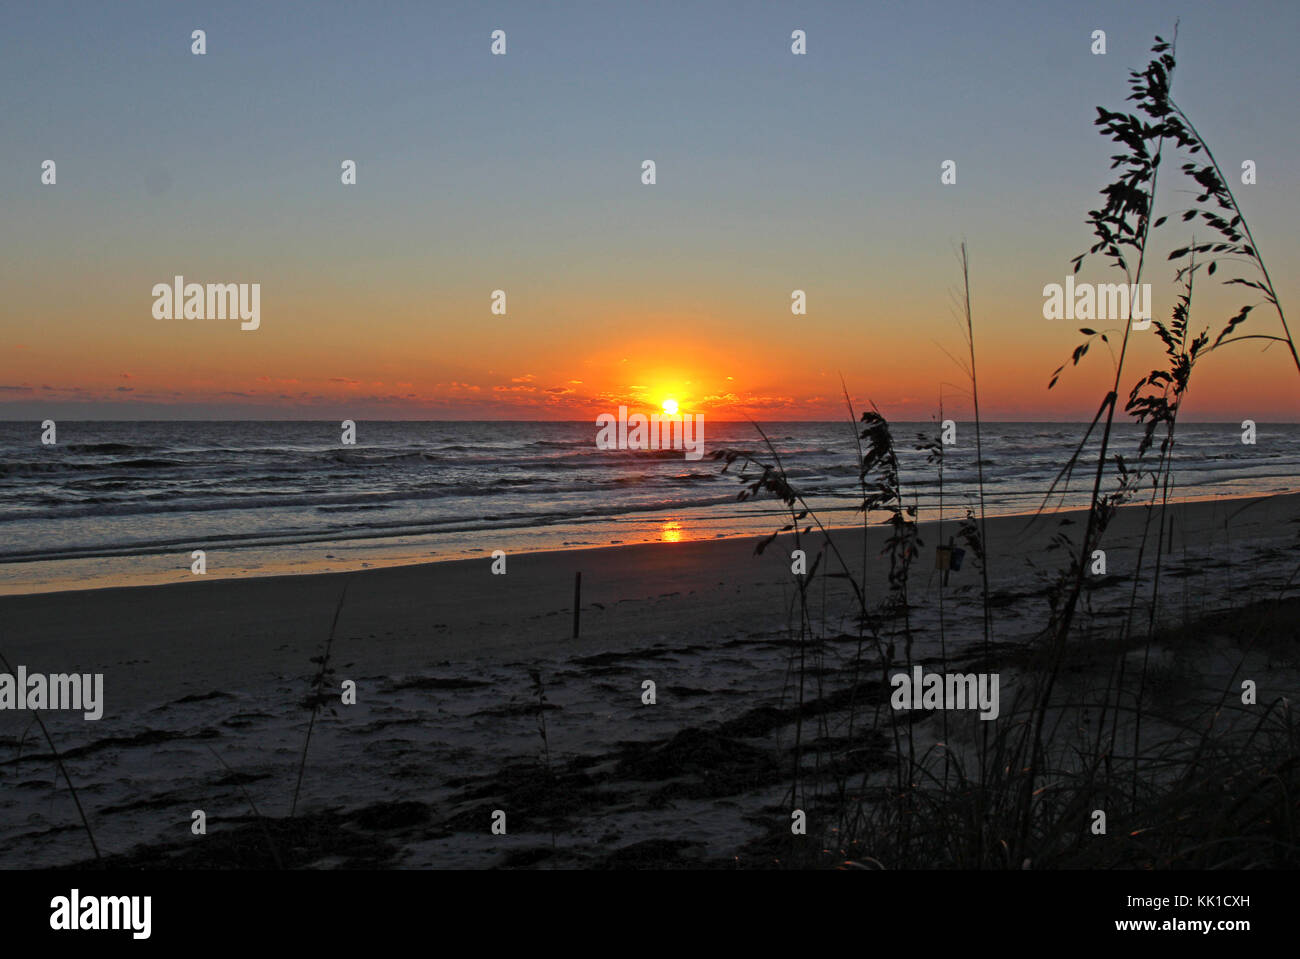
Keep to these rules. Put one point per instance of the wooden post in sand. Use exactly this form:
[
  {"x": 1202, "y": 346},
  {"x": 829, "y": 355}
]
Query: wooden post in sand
[{"x": 577, "y": 601}]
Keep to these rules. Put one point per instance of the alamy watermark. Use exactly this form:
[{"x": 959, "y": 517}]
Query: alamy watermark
[
  {"x": 946, "y": 691},
  {"x": 658, "y": 431},
  {"x": 75, "y": 912},
  {"x": 85, "y": 692},
  {"x": 212, "y": 301},
  {"x": 1101, "y": 301}
]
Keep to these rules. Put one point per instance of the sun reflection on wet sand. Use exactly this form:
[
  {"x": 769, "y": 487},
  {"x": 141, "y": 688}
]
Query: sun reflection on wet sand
[{"x": 671, "y": 532}]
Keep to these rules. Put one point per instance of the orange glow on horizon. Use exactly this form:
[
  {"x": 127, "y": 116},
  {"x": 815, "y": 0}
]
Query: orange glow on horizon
[{"x": 414, "y": 371}]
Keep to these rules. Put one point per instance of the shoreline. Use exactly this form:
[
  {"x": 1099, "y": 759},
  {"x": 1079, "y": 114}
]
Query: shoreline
[
  {"x": 635, "y": 593},
  {"x": 329, "y": 565}
]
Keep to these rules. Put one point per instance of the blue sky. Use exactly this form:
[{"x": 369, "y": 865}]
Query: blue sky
[{"x": 475, "y": 170}]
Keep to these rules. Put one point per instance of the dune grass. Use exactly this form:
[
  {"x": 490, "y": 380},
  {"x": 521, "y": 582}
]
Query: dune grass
[{"x": 1182, "y": 779}]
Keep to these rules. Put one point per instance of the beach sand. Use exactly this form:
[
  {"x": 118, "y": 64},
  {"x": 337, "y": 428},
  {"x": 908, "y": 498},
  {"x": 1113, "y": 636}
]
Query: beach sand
[{"x": 445, "y": 727}]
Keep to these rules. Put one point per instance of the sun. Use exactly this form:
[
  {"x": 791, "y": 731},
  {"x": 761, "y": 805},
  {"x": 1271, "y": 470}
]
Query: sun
[{"x": 670, "y": 406}]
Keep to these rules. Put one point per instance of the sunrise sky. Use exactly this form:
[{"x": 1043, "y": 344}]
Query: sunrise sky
[{"x": 523, "y": 173}]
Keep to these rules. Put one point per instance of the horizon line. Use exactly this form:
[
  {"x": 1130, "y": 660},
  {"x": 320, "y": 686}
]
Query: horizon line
[{"x": 334, "y": 419}]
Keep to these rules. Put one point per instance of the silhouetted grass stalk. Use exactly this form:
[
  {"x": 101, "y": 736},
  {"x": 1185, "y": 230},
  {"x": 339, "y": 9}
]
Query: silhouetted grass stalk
[
  {"x": 322, "y": 675},
  {"x": 58, "y": 760}
]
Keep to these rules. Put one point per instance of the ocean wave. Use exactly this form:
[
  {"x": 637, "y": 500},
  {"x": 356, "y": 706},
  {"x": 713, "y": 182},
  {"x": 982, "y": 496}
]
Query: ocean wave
[
  {"x": 107, "y": 447},
  {"x": 153, "y": 484}
]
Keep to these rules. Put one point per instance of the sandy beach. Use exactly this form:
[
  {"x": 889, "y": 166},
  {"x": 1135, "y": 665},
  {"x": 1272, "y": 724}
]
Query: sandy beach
[{"x": 446, "y": 717}]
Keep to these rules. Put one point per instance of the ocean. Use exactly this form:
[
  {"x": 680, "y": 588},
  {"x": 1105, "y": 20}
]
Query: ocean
[{"x": 114, "y": 503}]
